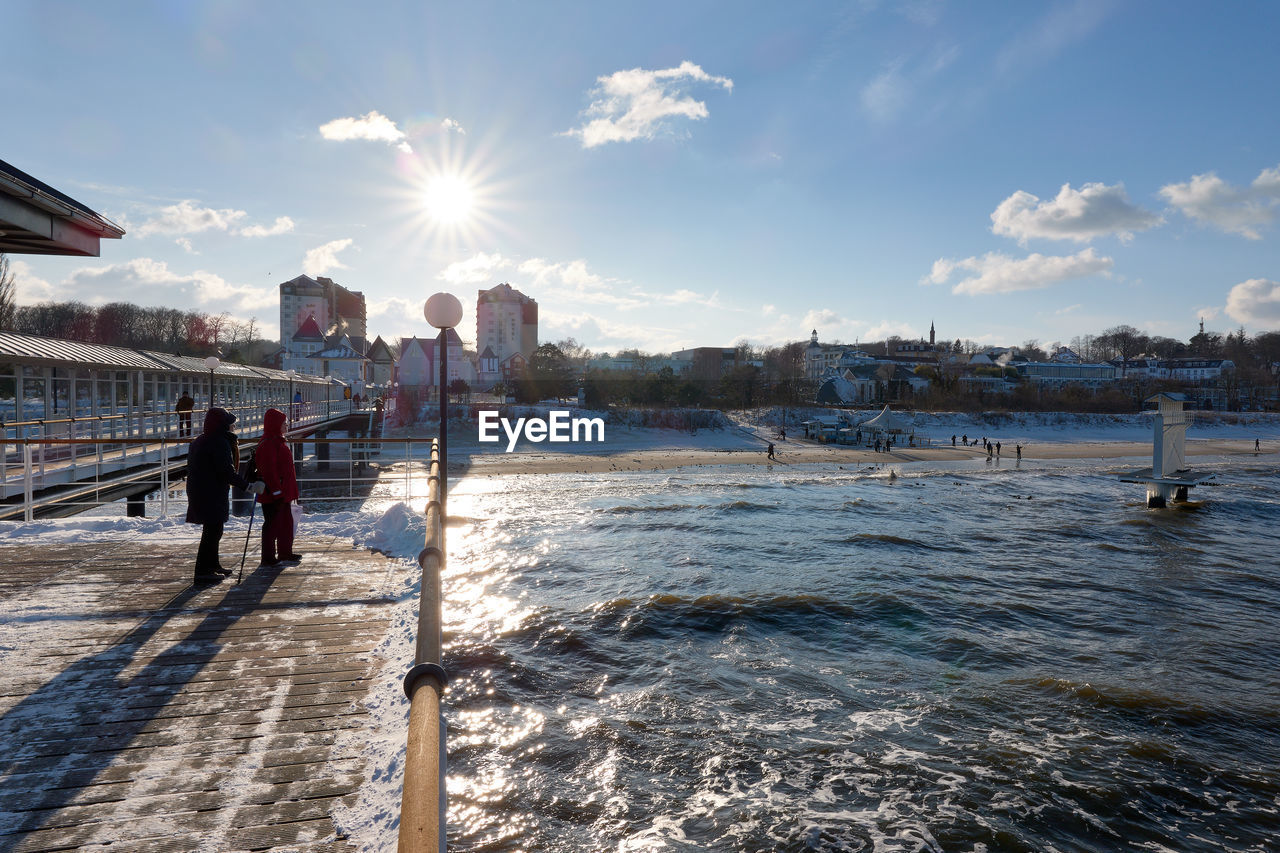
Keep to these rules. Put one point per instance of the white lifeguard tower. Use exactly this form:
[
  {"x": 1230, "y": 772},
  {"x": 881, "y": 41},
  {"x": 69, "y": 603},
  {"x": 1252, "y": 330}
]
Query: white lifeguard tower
[{"x": 1168, "y": 477}]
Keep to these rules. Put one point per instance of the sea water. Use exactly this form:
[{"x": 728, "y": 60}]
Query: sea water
[{"x": 965, "y": 657}]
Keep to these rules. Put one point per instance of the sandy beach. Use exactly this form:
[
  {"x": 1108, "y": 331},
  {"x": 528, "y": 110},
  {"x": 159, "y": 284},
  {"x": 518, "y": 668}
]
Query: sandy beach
[{"x": 656, "y": 450}]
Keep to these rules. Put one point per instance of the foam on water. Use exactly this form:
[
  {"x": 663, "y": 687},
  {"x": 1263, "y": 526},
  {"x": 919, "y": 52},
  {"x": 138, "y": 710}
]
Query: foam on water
[{"x": 966, "y": 659}]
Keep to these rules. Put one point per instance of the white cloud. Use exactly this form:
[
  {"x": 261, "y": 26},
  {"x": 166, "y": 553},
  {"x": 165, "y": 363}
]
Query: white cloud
[
  {"x": 998, "y": 273},
  {"x": 324, "y": 258},
  {"x": 28, "y": 287},
  {"x": 372, "y": 125},
  {"x": 1061, "y": 26},
  {"x": 574, "y": 274},
  {"x": 283, "y": 225},
  {"x": 477, "y": 269},
  {"x": 1256, "y": 302},
  {"x": 639, "y": 103},
  {"x": 1235, "y": 210},
  {"x": 396, "y": 317},
  {"x": 607, "y": 335},
  {"x": 570, "y": 283},
  {"x": 450, "y": 124},
  {"x": 684, "y": 296},
  {"x": 147, "y": 282},
  {"x": 888, "y": 328},
  {"x": 1094, "y": 210},
  {"x": 886, "y": 95},
  {"x": 185, "y": 218},
  {"x": 816, "y": 317},
  {"x": 186, "y": 245}
]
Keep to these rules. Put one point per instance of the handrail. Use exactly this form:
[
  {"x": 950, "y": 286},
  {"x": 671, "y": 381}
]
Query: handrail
[
  {"x": 170, "y": 422},
  {"x": 85, "y": 473},
  {"x": 422, "y": 803}
]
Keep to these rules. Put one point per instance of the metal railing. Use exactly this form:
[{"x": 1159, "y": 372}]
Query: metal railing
[
  {"x": 423, "y": 801},
  {"x": 170, "y": 422},
  {"x": 68, "y": 475}
]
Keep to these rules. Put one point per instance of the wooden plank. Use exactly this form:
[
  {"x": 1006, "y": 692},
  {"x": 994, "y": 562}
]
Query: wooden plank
[{"x": 129, "y": 717}]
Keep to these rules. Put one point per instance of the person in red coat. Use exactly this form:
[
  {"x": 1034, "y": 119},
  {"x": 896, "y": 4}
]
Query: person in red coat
[{"x": 274, "y": 459}]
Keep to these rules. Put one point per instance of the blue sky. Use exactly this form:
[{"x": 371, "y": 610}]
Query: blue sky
[{"x": 665, "y": 175}]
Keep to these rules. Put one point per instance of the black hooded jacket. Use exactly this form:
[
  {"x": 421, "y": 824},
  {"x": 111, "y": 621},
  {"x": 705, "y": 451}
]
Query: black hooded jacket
[{"x": 211, "y": 470}]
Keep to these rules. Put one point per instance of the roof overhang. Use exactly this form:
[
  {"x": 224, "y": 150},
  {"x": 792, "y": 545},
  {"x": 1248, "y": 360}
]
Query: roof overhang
[{"x": 36, "y": 219}]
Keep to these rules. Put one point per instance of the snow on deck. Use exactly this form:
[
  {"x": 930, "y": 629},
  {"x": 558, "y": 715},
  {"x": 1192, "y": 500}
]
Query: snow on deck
[{"x": 136, "y": 708}]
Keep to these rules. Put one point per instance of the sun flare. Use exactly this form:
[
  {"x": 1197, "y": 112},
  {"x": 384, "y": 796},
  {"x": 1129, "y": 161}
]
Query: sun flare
[{"x": 449, "y": 199}]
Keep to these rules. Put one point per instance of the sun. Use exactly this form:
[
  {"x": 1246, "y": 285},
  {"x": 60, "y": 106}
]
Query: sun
[{"x": 449, "y": 200}]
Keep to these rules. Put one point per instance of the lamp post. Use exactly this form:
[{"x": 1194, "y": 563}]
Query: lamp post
[
  {"x": 328, "y": 387},
  {"x": 444, "y": 312},
  {"x": 288, "y": 405},
  {"x": 212, "y": 363}
]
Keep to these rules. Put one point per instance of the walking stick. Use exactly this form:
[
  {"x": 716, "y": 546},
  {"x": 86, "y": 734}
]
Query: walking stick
[{"x": 252, "y": 506}]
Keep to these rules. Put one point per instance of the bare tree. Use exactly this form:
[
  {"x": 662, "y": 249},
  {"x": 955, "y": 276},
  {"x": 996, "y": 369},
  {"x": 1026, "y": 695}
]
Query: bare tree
[
  {"x": 1032, "y": 352},
  {"x": 575, "y": 354},
  {"x": 8, "y": 304},
  {"x": 1124, "y": 341}
]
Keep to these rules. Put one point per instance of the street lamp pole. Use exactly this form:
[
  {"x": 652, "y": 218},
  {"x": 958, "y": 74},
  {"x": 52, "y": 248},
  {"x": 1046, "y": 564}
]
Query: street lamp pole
[
  {"x": 444, "y": 312},
  {"x": 288, "y": 404},
  {"x": 212, "y": 363},
  {"x": 328, "y": 387}
]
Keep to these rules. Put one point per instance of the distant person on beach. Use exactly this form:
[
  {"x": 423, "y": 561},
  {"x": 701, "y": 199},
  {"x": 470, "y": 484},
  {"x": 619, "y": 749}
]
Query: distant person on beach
[
  {"x": 211, "y": 471},
  {"x": 1019, "y": 449},
  {"x": 771, "y": 456},
  {"x": 782, "y": 433},
  {"x": 274, "y": 459},
  {"x": 965, "y": 439},
  {"x": 953, "y": 441},
  {"x": 183, "y": 407},
  {"x": 1256, "y": 445},
  {"x": 997, "y": 448}
]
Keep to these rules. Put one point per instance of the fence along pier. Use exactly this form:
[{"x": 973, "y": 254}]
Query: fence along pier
[{"x": 74, "y": 412}]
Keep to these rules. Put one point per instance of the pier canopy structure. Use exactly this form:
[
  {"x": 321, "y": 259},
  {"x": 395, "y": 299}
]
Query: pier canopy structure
[
  {"x": 1168, "y": 478},
  {"x": 36, "y": 219},
  {"x": 73, "y": 413},
  {"x": 48, "y": 385}
]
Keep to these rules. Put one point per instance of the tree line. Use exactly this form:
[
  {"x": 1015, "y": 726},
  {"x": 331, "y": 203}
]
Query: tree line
[
  {"x": 123, "y": 324},
  {"x": 775, "y": 375}
]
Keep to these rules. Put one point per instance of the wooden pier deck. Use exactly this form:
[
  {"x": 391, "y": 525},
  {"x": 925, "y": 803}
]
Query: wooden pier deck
[{"x": 140, "y": 713}]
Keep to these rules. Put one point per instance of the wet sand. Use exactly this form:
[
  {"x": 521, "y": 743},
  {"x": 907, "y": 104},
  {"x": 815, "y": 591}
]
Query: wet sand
[{"x": 474, "y": 461}]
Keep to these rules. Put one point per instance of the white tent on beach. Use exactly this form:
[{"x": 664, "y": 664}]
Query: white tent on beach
[{"x": 887, "y": 422}]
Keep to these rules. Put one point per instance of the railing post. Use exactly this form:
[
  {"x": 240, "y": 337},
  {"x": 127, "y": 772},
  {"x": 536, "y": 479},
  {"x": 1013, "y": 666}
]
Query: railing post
[
  {"x": 164, "y": 476},
  {"x": 28, "y": 492}
]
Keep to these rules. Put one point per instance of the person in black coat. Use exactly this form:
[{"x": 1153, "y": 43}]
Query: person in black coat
[{"x": 211, "y": 471}]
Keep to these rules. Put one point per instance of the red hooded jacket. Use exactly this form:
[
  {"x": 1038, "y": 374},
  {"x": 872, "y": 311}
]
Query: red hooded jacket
[{"x": 274, "y": 459}]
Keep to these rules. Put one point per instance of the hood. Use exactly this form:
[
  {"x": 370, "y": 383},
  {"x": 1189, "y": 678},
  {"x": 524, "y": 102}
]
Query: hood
[
  {"x": 218, "y": 420},
  {"x": 273, "y": 424}
]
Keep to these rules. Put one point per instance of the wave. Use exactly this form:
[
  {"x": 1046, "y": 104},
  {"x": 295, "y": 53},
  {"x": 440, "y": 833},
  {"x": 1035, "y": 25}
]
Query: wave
[
  {"x": 748, "y": 506},
  {"x": 666, "y": 615},
  {"x": 628, "y": 510},
  {"x": 888, "y": 540},
  {"x": 1167, "y": 709}
]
